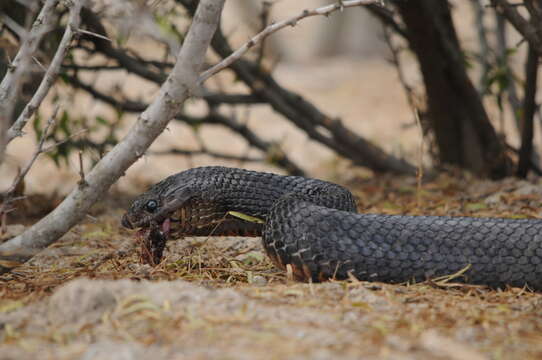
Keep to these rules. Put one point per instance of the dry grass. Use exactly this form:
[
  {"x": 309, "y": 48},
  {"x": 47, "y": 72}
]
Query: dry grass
[{"x": 222, "y": 298}]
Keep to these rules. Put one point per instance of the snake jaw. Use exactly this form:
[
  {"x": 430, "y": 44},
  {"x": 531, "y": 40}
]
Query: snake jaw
[{"x": 166, "y": 227}]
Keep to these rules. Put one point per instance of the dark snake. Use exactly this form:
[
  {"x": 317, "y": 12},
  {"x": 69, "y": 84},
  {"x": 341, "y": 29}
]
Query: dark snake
[{"x": 312, "y": 227}]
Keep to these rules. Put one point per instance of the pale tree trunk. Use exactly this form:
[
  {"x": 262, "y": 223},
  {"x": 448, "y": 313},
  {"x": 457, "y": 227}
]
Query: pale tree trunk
[{"x": 175, "y": 90}]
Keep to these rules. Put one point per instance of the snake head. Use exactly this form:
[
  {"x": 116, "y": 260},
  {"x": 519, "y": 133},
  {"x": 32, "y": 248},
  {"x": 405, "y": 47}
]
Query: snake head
[
  {"x": 156, "y": 206},
  {"x": 144, "y": 211},
  {"x": 169, "y": 203}
]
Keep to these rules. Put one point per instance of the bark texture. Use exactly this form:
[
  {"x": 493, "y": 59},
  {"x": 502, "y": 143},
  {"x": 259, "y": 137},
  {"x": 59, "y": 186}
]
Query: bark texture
[{"x": 463, "y": 132}]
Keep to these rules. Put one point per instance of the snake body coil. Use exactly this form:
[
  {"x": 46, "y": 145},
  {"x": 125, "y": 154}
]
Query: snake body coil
[{"x": 313, "y": 226}]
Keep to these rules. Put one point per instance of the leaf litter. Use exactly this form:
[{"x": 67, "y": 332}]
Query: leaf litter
[{"x": 89, "y": 296}]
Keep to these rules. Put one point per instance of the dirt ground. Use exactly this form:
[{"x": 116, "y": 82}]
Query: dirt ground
[{"x": 220, "y": 298}]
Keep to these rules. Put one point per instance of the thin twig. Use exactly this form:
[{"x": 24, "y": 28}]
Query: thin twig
[
  {"x": 36, "y": 60},
  {"x": 396, "y": 62},
  {"x": 257, "y": 39},
  {"x": 209, "y": 153},
  {"x": 8, "y": 197},
  {"x": 58, "y": 143},
  {"x": 82, "y": 31},
  {"x": 387, "y": 18},
  {"x": 13, "y": 26},
  {"x": 82, "y": 181},
  {"x": 50, "y": 75},
  {"x": 12, "y": 83},
  {"x": 264, "y": 18}
]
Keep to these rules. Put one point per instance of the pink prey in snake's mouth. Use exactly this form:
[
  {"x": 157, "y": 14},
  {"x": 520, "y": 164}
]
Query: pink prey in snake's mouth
[{"x": 158, "y": 222}]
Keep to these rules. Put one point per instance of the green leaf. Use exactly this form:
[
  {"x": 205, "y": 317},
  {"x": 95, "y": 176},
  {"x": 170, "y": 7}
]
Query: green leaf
[
  {"x": 36, "y": 124},
  {"x": 63, "y": 125},
  {"x": 102, "y": 121}
]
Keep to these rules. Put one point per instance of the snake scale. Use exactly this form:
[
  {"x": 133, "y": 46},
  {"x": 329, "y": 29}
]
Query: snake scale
[{"x": 313, "y": 226}]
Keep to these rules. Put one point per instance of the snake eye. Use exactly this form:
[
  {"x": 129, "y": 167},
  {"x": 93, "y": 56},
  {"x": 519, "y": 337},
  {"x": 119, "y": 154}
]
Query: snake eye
[{"x": 151, "y": 206}]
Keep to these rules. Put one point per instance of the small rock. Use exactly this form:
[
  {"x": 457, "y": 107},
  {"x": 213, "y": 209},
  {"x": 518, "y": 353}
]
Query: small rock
[
  {"x": 258, "y": 280},
  {"x": 142, "y": 270},
  {"x": 494, "y": 199}
]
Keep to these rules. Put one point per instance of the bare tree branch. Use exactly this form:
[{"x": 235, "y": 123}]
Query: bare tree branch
[
  {"x": 274, "y": 27},
  {"x": 274, "y": 153},
  {"x": 129, "y": 63},
  {"x": 207, "y": 152},
  {"x": 13, "y": 26},
  {"x": 175, "y": 90},
  {"x": 318, "y": 126},
  {"x": 51, "y": 74},
  {"x": 20, "y": 177},
  {"x": 12, "y": 83},
  {"x": 386, "y": 16},
  {"x": 530, "y": 31}
]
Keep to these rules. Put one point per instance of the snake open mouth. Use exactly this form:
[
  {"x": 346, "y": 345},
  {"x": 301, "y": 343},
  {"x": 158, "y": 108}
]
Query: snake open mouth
[{"x": 166, "y": 227}]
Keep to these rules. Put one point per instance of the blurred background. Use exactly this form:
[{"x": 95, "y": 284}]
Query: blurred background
[{"x": 358, "y": 93}]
